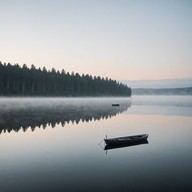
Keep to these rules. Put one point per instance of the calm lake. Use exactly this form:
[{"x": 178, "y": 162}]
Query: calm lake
[{"x": 52, "y": 144}]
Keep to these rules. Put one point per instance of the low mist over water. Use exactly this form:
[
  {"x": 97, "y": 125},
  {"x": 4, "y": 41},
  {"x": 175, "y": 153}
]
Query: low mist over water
[
  {"x": 55, "y": 144},
  {"x": 17, "y": 113}
]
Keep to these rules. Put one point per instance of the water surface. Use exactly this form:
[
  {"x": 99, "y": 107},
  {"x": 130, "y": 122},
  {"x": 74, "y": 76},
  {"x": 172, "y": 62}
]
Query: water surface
[{"x": 52, "y": 144}]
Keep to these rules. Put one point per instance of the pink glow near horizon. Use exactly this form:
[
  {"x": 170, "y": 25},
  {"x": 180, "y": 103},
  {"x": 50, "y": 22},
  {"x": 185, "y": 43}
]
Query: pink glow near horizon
[{"x": 123, "y": 40}]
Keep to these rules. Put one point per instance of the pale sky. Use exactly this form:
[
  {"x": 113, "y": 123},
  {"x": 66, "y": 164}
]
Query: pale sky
[{"x": 119, "y": 39}]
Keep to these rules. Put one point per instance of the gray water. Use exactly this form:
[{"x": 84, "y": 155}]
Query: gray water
[{"x": 51, "y": 144}]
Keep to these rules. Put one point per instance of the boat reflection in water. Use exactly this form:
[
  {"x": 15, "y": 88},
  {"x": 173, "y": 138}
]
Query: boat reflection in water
[
  {"x": 115, "y": 146},
  {"x": 24, "y": 114}
]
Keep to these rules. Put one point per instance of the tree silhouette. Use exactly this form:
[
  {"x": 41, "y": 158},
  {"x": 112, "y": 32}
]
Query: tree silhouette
[{"x": 24, "y": 81}]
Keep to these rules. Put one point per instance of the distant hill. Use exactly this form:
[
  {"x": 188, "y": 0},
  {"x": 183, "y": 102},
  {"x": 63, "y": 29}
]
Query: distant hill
[
  {"x": 159, "y": 84},
  {"x": 167, "y": 91},
  {"x": 161, "y": 87}
]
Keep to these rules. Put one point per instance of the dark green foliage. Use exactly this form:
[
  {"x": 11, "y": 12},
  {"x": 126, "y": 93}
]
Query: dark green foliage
[{"x": 22, "y": 81}]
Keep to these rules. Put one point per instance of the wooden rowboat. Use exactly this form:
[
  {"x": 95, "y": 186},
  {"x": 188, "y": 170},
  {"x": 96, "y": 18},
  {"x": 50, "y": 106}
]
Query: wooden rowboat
[
  {"x": 126, "y": 140},
  {"x": 115, "y": 104}
]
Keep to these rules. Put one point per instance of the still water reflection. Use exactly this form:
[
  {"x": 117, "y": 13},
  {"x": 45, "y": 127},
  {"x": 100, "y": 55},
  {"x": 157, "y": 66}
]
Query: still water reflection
[
  {"x": 31, "y": 113},
  {"x": 69, "y": 158}
]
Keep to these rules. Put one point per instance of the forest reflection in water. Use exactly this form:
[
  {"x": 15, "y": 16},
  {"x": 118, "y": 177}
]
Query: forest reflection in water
[{"x": 22, "y": 114}]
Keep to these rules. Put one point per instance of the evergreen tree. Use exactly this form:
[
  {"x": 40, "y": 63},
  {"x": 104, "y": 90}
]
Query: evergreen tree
[{"x": 24, "y": 81}]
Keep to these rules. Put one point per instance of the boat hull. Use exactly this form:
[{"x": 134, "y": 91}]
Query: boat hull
[
  {"x": 126, "y": 140},
  {"x": 115, "y": 105},
  {"x": 108, "y": 146}
]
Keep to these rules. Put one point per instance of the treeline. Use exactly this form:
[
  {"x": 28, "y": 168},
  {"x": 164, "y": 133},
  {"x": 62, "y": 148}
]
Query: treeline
[{"x": 23, "y": 81}]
